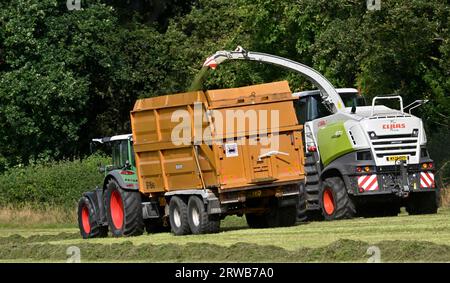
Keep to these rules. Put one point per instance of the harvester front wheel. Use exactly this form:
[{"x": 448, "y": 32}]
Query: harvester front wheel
[
  {"x": 199, "y": 220},
  {"x": 334, "y": 200},
  {"x": 87, "y": 222},
  {"x": 124, "y": 210},
  {"x": 422, "y": 203},
  {"x": 178, "y": 215}
]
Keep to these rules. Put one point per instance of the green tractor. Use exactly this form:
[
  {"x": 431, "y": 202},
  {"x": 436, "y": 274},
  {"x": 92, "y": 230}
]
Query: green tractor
[{"x": 116, "y": 205}]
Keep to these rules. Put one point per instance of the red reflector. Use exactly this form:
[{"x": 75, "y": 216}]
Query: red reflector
[
  {"x": 126, "y": 172},
  {"x": 130, "y": 185},
  {"x": 361, "y": 190},
  {"x": 312, "y": 148}
]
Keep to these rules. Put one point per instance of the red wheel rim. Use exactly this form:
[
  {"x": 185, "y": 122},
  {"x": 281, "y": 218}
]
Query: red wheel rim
[
  {"x": 85, "y": 219},
  {"x": 328, "y": 201},
  {"x": 116, "y": 207}
]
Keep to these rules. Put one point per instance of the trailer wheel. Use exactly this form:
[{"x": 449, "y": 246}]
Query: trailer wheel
[
  {"x": 178, "y": 215},
  {"x": 301, "y": 205},
  {"x": 256, "y": 220},
  {"x": 422, "y": 203},
  {"x": 275, "y": 217},
  {"x": 334, "y": 200},
  {"x": 155, "y": 226},
  {"x": 287, "y": 216},
  {"x": 199, "y": 220},
  {"x": 87, "y": 222},
  {"x": 124, "y": 210}
]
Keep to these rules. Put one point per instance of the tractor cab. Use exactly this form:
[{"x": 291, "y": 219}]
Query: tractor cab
[
  {"x": 120, "y": 147},
  {"x": 310, "y": 107}
]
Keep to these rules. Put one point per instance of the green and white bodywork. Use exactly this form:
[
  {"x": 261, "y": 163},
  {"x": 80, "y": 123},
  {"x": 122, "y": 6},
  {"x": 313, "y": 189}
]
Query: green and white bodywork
[{"x": 365, "y": 150}]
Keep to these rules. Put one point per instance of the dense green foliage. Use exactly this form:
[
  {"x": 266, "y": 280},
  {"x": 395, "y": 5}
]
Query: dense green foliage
[
  {"x": 69, "y": 76},
  {"x": 56, "y": 184}
]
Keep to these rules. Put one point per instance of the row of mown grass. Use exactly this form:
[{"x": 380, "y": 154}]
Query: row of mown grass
[{"x": 37, "y": 248}]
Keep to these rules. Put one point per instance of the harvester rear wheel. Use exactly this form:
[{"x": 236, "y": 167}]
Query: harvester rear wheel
[
  {"x": 301, "y": 205},
  {"x": 178, "y": 215},
  {"x": 199, "y": 220},
  {"x": 124, "y": 210},
  {"x": 334, "y": 200},
  {"x": 89, "y": 226},
  {"x": 422, "y": 203}
]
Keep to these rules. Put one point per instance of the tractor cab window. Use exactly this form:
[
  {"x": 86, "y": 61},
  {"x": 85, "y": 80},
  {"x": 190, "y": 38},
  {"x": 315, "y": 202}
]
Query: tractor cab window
[
  {"x": 132, "y": 161},
  {"x": 120, "y": 153}
]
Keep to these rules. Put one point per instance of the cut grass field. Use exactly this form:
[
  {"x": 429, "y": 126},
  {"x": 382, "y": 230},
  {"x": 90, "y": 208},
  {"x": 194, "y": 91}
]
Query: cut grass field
[{"x": 404, "y": 238}]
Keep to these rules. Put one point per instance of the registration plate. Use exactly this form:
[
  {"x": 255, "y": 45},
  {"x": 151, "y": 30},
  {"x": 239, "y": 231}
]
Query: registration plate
[{"x": 397, "y": 157}]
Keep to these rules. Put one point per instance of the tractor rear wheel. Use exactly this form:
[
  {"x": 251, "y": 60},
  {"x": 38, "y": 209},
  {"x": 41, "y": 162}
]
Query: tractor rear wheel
[
  {"x": 87, "y": 220},
  {"x": 199, "y": 220},
  {"x": 334, "y": 200},
  {"x": 422, "y": 203},
  {"x": 178, "y": 215},
  {"x": 124, "y": 210}
]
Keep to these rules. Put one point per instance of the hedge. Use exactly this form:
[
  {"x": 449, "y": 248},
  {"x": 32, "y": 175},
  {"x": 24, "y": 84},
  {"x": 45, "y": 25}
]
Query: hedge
[{"x": 52, "y": 184}]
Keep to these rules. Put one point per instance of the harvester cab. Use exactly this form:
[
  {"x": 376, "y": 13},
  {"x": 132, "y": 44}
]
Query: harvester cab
[{"x": 366, "y": 160}]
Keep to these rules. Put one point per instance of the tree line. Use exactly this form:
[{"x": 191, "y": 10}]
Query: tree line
[{"x": 68, "y": 76}]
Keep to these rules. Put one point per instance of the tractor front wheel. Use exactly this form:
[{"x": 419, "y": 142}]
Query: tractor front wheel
[
  {"x": 124, "y": 210},
  {"x": 87, "y": 222}
]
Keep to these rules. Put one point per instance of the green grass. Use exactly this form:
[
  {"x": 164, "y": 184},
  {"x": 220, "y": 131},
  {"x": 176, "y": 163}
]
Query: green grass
[{"x": 403, "y": 238}]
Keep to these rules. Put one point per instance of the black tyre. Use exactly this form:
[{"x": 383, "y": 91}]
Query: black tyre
[
  {"x": 422, "y": 203},
  {"x": 334, "y": 200},
  {"x": 379, "y": 210},
  {"x": 124, "y": 210},
  {"x": 88, "y": 222},
  {"x": 256, "y": 220},
  {"x": 301, "y": 205},
  {"x": 312, "y": 182},
  {"x": 155, "y": 226},
  {"x": 178, "y": 215},
  {"x": 199, "y": 220},
  {"x": 287, "y": 216},
  {"x": 275, "y": 217}
]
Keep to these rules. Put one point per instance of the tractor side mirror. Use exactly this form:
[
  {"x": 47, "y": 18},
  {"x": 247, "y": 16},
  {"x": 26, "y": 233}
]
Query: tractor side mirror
[
  {"x": 101, "y": 168},
  {"x": 127, "y": 164}
]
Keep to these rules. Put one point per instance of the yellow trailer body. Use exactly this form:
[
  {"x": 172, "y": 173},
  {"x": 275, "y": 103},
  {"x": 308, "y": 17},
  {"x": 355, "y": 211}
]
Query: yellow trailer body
[{"x": 227, "y": 140}]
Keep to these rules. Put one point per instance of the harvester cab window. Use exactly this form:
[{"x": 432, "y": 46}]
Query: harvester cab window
[
  {"x": 300, "y": 110},
  {"x": 353, "y": 99},
  {"x": 316, "y": 109}
]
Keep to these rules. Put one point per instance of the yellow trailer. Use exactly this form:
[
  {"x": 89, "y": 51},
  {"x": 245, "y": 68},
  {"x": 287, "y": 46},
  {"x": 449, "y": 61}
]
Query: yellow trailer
[{"x": 203, "y": 155}]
